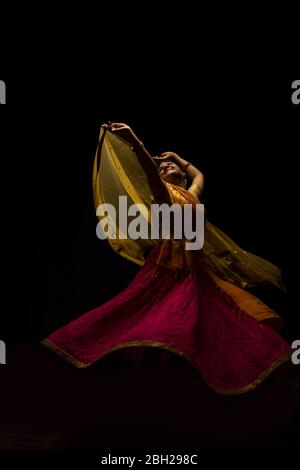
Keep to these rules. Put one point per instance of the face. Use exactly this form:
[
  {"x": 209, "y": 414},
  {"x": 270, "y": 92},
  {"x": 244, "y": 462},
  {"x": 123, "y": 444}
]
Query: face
[{"x": 170, "y": 172}]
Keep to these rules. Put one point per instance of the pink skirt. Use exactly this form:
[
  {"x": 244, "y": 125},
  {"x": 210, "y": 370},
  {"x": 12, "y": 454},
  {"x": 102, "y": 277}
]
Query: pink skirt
[{"x": 188, "y": 316}]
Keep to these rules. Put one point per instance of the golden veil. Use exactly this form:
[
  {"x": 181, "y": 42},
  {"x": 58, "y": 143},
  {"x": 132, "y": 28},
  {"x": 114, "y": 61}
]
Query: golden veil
[{"x": 117, "y": 172}]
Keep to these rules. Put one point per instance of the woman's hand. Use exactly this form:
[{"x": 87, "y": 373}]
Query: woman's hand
[
  {"x": 121, "y": 130},
  {"x": 167, "y": 156}
]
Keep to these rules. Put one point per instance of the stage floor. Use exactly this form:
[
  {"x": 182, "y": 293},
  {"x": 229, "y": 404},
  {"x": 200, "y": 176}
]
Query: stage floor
[{"x": 46, "y": 404}]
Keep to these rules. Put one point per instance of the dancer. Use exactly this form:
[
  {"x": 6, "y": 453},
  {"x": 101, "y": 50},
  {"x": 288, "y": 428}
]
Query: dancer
[{"x": 191, "y": 303}]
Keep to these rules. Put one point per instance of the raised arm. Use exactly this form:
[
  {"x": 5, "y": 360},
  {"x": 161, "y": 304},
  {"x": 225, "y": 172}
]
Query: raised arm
[
  {"x": 158, "y": 188},
  {"x": 195, "y": 175}
]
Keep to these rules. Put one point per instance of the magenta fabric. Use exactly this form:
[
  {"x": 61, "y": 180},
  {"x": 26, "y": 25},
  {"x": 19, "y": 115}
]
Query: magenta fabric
[{"x": 189, "y": 315}]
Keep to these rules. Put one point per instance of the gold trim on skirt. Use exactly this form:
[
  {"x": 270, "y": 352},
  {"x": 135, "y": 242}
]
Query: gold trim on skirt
[{"x": 247, "y": 388}]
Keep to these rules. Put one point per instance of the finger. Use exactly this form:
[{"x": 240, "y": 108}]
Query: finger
[
  {"x": 169, "y": 154},
  {"x": 118, "y": 125},
  {"x": 118, "y": 128},
  {"x": 162, "y": 159},
  {"x": 114, "y": 127}
]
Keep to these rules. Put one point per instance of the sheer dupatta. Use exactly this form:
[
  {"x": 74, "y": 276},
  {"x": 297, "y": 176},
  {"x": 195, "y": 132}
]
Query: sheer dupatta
[{"x": 118, "y": 172}]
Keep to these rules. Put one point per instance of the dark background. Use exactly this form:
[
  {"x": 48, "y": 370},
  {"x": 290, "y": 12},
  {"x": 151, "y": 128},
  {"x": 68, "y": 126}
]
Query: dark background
[{"x": 243, "y": 133}]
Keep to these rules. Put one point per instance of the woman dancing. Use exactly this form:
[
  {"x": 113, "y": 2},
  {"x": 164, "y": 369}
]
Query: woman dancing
[{"x": 191, "y": 303}]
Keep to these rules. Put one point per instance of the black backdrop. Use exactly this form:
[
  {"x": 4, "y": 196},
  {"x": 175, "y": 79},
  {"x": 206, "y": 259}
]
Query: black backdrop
[{"x": 242, "y": 133}]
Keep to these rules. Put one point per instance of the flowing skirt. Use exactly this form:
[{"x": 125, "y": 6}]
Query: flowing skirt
[{"x": 194, "y": 316}]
